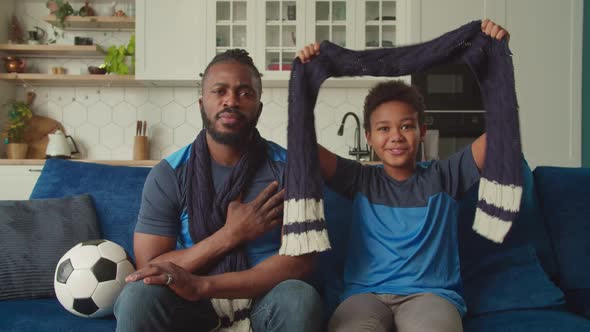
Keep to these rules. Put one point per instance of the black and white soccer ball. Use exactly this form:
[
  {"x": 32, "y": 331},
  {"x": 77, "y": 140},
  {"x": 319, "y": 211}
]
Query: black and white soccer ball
[{"x": 90, "y": 277}]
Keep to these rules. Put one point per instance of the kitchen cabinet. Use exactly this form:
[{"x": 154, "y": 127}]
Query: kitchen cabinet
[
  {"x": 170, "y": 40},
  {"x": 352, "y": 24},
  {"x": 168, "y": 47},
  {"x": 359, "y": 24},
  {"x": 18, "y": 181}
]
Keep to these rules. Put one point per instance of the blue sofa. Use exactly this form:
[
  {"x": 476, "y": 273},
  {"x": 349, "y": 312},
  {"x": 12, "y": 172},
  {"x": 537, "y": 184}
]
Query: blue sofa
[{"x": 537, "y": 280}]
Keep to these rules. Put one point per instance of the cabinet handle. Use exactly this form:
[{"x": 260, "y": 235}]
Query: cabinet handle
[{"x": 34, "y": 170}]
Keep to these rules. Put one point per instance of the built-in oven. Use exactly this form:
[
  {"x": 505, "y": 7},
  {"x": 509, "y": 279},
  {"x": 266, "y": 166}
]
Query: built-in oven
[{"x": 454, "y": 110}]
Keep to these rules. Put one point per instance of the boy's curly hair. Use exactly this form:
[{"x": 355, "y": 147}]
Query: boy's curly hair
[{"x": 396, "y": 90}]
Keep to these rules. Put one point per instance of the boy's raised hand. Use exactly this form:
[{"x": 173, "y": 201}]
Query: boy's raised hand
[
  {"x": 308, "y": 52},
  {"x": 494, "y": 30}
]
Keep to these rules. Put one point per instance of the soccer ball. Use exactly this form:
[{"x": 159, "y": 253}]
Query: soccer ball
[{"x": 90, "y": 276}]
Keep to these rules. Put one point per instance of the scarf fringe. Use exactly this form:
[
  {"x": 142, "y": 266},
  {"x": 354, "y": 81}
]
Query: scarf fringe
[
  {"x": 228, "y": 308},
  {"x": 301, "y": 234}
]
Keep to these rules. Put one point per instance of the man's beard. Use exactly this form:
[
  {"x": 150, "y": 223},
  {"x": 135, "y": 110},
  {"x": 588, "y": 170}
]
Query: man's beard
[{"x": 233, "y": 139}]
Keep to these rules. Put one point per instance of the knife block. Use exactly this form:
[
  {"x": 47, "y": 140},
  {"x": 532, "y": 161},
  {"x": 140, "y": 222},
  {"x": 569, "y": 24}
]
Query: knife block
[{"x": 141, "y": 148}]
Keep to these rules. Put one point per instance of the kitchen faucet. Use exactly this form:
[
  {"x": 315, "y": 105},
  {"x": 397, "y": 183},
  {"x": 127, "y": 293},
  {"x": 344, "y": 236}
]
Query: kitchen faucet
[{"x": 356, "y": 150}]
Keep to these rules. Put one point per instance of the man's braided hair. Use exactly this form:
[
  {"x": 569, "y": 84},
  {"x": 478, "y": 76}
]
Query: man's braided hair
[{"x": 236, "y": 55}]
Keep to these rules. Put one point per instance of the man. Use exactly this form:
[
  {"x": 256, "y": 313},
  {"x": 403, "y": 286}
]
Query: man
[{"x": 176, "y": 210}]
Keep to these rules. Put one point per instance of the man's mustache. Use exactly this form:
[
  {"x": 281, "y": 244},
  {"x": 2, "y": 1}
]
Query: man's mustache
[{"x": 230, "y": 110}]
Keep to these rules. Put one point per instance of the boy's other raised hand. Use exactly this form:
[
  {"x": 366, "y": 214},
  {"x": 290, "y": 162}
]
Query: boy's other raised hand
[
  {"x": 494, "y": 30},
  {"x": 308, "y": 52}
]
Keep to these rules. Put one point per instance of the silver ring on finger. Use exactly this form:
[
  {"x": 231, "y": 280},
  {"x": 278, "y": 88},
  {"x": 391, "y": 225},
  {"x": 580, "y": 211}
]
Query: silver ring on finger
[{"x": 169, "y": 279}]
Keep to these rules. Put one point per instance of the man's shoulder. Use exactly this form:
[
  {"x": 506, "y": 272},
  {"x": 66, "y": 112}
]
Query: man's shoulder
[
  {"x": 179, "y": 158},
  {"x": 276, "y": 152}
]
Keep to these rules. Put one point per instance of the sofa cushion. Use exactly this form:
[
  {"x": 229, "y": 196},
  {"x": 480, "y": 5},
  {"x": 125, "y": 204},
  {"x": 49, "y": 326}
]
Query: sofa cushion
[
  {"x": 512, "y": 279},
  {"x": 115, "y": 191},
  {"x": 34, "y": 235},
  {"x": 528, "y": 230},
  {"x": 526, "y": 320},
  {"x": 47, "y": 315},
  {"x": 564, "y": 196},
  {"x": 329, "y": 271}
]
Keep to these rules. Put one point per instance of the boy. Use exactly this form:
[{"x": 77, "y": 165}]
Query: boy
[{"x": 402, "y": 267}]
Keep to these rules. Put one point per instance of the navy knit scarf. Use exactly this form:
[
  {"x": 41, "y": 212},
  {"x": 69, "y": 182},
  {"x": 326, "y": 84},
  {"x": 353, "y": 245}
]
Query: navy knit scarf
[
  {"x": 207, "y": 212},
  {"x": 500, "y": 188}
]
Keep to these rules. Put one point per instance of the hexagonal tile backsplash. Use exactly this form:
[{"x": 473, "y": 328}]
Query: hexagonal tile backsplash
[{"x": 102, "y": 119}]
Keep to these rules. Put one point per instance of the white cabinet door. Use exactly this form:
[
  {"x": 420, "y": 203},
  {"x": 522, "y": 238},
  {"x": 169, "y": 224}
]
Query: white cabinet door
[
  {"x": 17, "y": 182},
  {"x": 331, "y": 20},
  {"x": 280, "y": 31},
  {"x": 170, "y": 39},
  {"x": 231, "y": 25},
  {"x": 381, "y": 23}
]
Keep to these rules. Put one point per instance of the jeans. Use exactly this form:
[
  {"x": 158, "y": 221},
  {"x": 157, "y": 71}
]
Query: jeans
[{"x": 292, "y": 305}]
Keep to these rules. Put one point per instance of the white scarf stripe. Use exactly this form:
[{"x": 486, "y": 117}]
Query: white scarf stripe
[
  {"x": 227, "y": 308},
  {"x": 506, "y": 197},
  {"x": 294, "y": 244},
  {"x": 491, "y": 227},
  {"x": 302, "y": 210}
]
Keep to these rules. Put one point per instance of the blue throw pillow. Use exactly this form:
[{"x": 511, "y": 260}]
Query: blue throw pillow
[
  {"x": 528, "y": 230},
  {"x": 115, "y": 191},
  {"x": 509, "y": 280},
  {"x": 564, "y": 194}
]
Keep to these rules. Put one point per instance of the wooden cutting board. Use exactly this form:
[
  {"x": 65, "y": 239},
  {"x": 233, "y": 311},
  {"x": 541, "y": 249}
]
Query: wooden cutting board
[{"x": 36, "y": 135}]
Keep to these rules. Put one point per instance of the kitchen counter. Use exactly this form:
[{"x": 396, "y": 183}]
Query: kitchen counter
[{"x": 34, "y": 162}]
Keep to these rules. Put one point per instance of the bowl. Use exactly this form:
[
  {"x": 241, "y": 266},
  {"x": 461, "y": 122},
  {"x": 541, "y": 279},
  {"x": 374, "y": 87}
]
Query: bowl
[{"x": 96, "y": 70}]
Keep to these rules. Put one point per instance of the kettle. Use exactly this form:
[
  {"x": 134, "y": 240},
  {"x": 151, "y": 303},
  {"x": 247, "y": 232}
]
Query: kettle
[
  {"x": 58, "y": 146},
  {"x": 14, "y": 64}
]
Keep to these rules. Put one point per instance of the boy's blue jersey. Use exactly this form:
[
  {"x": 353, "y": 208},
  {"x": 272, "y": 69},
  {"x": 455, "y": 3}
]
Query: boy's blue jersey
[
  {"x": 403, "y": 237},
  {"x": 163, "y": 209}
]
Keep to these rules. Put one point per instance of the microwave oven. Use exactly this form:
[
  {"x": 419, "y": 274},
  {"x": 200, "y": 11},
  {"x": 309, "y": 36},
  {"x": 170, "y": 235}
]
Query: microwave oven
[{"x": 449, "y": 87}]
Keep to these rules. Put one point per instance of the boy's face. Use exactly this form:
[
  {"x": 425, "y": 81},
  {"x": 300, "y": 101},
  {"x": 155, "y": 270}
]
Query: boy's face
[{"x": 395, "y": 135}]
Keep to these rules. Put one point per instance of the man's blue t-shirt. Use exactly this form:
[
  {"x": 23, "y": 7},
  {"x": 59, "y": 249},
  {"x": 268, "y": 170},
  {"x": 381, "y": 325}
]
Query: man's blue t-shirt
[
  {"x": 403, "y": 237},
  {"x": 163, "y": 208}
]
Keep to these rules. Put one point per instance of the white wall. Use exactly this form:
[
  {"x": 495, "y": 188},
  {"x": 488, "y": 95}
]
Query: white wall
[
  {"x": 547, "y": 46},
  {"x": 6, "y": 90}
]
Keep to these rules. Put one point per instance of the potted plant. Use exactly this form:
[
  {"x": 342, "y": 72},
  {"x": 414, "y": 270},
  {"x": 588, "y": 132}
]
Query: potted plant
[
  {"x": 14, "y": 133},
  {"x": 120, "y": 59},
  {"x": 60, "y": 9}
]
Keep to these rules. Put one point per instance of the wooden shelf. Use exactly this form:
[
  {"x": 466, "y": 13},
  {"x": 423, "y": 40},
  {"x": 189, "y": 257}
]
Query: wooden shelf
[
  {"x": 71, "y": 80},
  {"x": 71, "y": 51},
  {"x": 35, "y": 162},
  {"x": 109, "y": 23}
]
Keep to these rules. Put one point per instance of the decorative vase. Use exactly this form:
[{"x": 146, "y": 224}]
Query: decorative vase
[{"x": 16, "y": 150}]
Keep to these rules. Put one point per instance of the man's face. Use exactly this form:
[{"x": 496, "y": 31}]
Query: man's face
[
  {"x": 230, "y": 105},
  {"x": 395, "y": 135}
]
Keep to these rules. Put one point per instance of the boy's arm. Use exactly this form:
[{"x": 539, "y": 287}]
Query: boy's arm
[
  {"x": 249, "y": 283},
  {"x": 478, "y": 149},
  {"x": 328, "y": 163}
]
